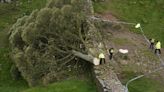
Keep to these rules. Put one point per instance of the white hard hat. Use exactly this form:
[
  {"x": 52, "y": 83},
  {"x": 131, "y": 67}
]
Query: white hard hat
[{"x": 138, "y": 25}]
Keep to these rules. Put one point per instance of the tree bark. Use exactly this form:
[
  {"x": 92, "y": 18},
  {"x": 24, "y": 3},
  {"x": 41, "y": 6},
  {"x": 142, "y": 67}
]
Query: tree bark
[{"x": 88, "y": 58}]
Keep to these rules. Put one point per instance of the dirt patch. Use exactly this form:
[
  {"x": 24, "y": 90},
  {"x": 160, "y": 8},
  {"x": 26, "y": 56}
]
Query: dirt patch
[{"x": 108, "y": 16}]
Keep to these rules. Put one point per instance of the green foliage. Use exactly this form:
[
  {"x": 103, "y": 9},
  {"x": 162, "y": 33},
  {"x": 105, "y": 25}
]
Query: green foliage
[
  {"x": 15, "y": 72},
  {"x": 43, "y": 17},
  {"x": 42, "y": 42}
]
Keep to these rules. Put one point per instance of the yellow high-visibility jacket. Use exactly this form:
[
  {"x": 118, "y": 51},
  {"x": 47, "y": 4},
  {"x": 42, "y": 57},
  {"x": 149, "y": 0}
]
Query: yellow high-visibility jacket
[
  {"x": 158, "y": 45},
  {"x": 101, "y": 55}
]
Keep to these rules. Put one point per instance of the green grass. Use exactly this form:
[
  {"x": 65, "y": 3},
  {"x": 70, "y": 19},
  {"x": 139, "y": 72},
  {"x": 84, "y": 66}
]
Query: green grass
[
  {"x": 149, "y": 54},
  {"x": 10, "y": 12},
  {"x": 66, "y": 86},
  {"x": 144, "y": 84},
  {"x": 120, "y": 41},
  {"x": 147, "y": 12},
  {"x": 7, "y": 84}
]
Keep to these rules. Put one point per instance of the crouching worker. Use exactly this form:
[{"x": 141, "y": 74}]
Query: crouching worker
[
  {"x": 102, "y": 58},
  {"x": 110, "y": 52}
]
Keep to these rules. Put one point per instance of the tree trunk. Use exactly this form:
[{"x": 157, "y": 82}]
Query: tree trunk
[{"x": 88, "y": 58}]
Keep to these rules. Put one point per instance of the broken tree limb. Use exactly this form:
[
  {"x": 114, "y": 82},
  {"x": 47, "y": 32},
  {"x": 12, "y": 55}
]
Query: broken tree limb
[{"x": 88, "y": 58}]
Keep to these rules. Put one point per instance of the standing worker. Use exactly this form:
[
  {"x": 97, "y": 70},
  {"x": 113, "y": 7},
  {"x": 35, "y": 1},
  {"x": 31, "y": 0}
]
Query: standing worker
[
  {"x": 102, "y": 58},
  {"x": 158, "y": 47},
  {"x": 111, "y": 51},
  {"x": 152, "y": 41}
]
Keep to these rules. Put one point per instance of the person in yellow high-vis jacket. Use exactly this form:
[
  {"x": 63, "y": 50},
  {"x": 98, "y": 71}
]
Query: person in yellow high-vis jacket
[
  {"x": 102, "y": 58},
  {"x": 158, "y": 47}
]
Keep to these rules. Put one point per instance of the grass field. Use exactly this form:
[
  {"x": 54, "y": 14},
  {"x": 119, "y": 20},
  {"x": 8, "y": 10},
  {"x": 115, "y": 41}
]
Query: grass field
[
  {"x": 145, "y": 84},
  {"x": 147, "y": 12},
  {"x": 66, "y": 86},
  {"x": 7, "y": 84},
  {"x": 10, "y": 12}
]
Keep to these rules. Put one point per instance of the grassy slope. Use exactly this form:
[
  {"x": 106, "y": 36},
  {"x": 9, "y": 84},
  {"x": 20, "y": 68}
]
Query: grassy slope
[
  {"x": 147, "y": 12},
  {"x": 6, "y": 82},
  {"x": 65, "y": 86},
  {"x": 145, "y": 84},
  {"x": 150, "y": 14},
  {"x": 9, "y": 12}
]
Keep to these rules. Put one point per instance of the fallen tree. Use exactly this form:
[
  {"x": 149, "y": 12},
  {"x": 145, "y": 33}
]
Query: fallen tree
[{"x": 42, "y": 43}]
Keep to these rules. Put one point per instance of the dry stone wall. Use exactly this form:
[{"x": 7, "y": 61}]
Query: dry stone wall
[{"x": 105, "y": 78}]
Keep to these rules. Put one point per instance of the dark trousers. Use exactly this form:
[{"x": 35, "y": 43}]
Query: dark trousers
[
  {"x": 151, "y": 46},
  {"x": 111, "y": 56},
  {"x": 158, "y": 51},
  {"x": 102, "y": 61}
]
